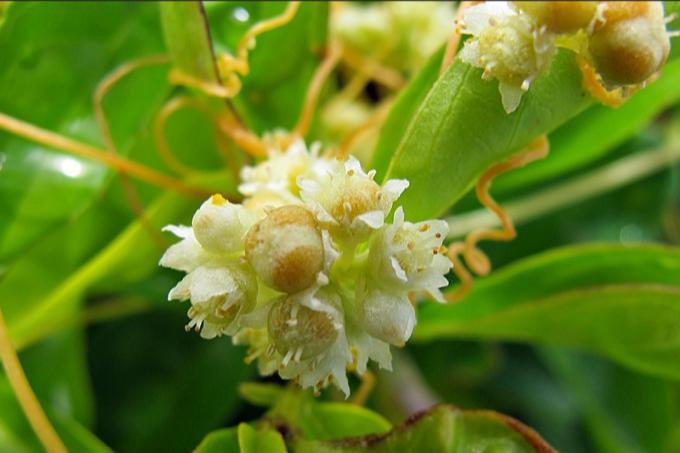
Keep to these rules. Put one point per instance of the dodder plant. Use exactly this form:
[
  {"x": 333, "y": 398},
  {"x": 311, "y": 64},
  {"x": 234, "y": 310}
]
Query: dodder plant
[{"x": 318, "y": 260}]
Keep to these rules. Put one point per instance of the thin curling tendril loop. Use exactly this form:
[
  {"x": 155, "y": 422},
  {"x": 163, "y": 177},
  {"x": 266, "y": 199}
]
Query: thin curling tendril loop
[
  {"x": 475, "y": 259},
  {"x": 65, "y": 144},
  {"x": 230, "y": 66},
  {"x": 103, "y": 88},
  {"x": 162, "y": 146}
]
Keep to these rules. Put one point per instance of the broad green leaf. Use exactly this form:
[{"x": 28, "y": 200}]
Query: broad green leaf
[
  {"x": 274, "y": 90},
  {"x": 623, "y": 302},
  {"x": 187, "y": 37},
  {"x": 461, "y": 128},
  {"x": 252, "y": 440},
  {"x": 624, "y": 411},
  {"x": 260, "y": 394},
  {"x": 220, "y": 441},
  {"x": 581, "y": 140},
  {"x": 300, "y": 412},
  {"x": 53, "y": 55},
  {"x": 329, "y": 421},
  {"x": 403, "y": 112},
  {"x": 55, "y": 300},
  {"x": 442, "y": 429}
]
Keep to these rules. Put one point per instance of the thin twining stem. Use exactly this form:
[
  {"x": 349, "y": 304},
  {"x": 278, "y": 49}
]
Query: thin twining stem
[
  {"x": 454, "y": 40},
  {"x": 262, "y": 27},
  {"x": 108, "y": 83},
  {"x": 583, "y": 187},
  {"x": 244, "y": 138},
  {"x": 27, "y": 400},
  {"x": 592, "y": 82},
  {"x": 476, "y": 260},
  {"x": 165, "y": 113},
  {"x": 230, "y": 66},
  {"x": 103, "y": 88},
  {"x": 323, "y": 71},
  {"x": 61, "y": 143}
]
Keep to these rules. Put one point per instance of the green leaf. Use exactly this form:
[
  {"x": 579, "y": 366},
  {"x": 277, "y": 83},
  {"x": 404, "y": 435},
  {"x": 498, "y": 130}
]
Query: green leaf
[
  {"x": 274, "y": 90},
  {"x": 461, "y": 128},
  {"x": 300, "y": 412},
  {"x": 187, "y": 37},
  {"x": 220, "y": 441},
  {"x": 442, "y": 429},
  {"x": 581, "y": 141},
  {"x": 54, "y": 294},
  {"x": 622, "y": 302},
  {"x": 403, "y": 112},
  {"x": 338, "y": 420},
  {"x": 71, "y": 46},
  {"x": 260, "y": 394},
  {"x": 252, "y": 440}
]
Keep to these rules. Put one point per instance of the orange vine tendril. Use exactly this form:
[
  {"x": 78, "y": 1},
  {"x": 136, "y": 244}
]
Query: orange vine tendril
[
  {"x": 314, "y": 89},
  {"x": 177, "y": 77},
  {"x": 229, "y": 65},
  {"x": 101, "y": 91},
  {"x": 365, "y": 388},
  {"x": 61, "y": 143},
  {"x": 244, "y": 138},
  {"x": 454, "y": 40},
  {"x": 592, "y": 84},
  {"x": 165, "y": 113},
  {"x": 27, "y": 400},
  {"x": 476, "y": 260},
  {"x": 227, "y": 153}
]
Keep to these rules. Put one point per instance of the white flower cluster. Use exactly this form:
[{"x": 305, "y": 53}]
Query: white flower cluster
[
  {"x": 306, "y": 271},
  {"x": 514, "y": 42}
]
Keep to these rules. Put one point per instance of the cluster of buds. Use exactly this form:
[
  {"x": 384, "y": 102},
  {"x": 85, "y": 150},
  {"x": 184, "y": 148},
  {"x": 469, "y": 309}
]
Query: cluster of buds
[
  {"x": 306, "y": 271},
  {"x": 514, "y": 42}
]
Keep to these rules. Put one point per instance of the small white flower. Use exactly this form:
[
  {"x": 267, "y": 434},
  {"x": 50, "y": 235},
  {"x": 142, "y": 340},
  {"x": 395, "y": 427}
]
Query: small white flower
[
  {"x": 509, "y": 46},
  {"x": 347, "y": 200},
  {"x": 218, "y": 296},
  {"x": 218, "y": 283},
  {"x": 407, "y": 256}
]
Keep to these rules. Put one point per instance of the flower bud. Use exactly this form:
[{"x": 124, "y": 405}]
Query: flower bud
[
  {"x": 220, "y": 226},
  {"x": 286, "y": 249},
  {"x": 560, "y": 17},
  {"x": 298, "y": 330},
  {"x": 388, "y": 316},
  {"x": 631, "y": 44}
]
